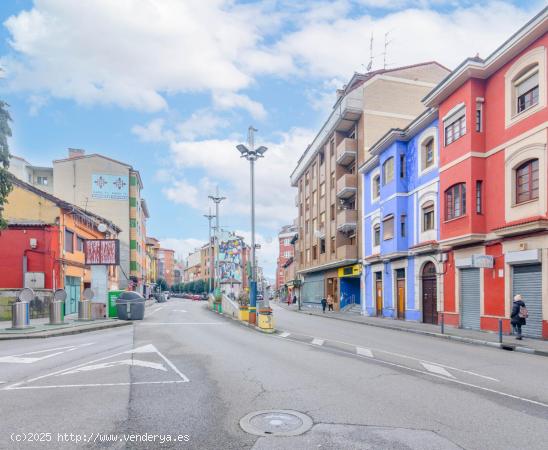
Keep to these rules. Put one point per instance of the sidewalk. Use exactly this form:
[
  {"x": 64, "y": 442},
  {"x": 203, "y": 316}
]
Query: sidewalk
[
  {"x": 40, "y": 328},
  {"x": 532, "y": 346}
]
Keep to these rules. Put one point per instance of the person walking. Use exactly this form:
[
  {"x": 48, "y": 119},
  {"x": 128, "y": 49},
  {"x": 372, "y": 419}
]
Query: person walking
[
  {"x": 330, "y": 302},
  {"x": 518, "y": 316},
  {"x": 324, "y": 304}
]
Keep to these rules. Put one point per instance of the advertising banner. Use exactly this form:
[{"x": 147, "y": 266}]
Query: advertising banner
[
  {"x": 230, "y": 260},
  {"x": 104, "y": 252},
  {"x": 109, "y": 187}
]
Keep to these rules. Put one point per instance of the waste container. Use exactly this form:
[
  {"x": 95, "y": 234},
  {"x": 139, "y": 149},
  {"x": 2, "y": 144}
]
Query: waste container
[
  {"x": 112, "y": 297},
  {"x": 84, "y": 310},
  {"x": 266, "y": 321},
  {"x": 130, "y": 306}
]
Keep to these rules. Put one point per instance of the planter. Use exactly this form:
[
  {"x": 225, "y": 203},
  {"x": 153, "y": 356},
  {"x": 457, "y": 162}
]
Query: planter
[{"x": 244, "y": 314}]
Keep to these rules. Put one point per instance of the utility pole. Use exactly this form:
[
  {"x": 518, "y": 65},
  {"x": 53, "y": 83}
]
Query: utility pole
[
  {"x": 209, "y": 218},
  {"x": 217, "y": 199}
]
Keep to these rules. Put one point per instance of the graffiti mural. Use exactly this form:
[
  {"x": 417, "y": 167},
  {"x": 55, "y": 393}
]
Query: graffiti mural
[{"x": 230, "y": 260}]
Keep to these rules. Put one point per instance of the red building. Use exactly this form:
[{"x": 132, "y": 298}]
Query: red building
[
  {"x": 493, "y": 183},
  {"x": 285, "y": 252}
]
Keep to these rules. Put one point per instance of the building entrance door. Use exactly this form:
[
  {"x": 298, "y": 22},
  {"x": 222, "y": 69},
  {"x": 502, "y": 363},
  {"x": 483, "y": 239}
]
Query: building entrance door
[
  {"x": 400, "y": 291},
  {"x": 378, "y": 293},
  {"x": 429, "y": 294},
  {"x": 72, "y": 288}
]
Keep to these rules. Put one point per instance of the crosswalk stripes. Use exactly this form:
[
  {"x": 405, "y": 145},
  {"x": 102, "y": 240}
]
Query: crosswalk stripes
[
  {"x": 436, "y": 369},
  {"x": 317, "y": 341},
  {"x": 364, "y": 352}
]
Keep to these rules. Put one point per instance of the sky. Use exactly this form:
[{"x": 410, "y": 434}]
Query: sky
[{"x": 171, "y": 87}]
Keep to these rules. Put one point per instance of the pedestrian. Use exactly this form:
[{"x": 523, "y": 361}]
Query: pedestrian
[
  {"x": 324, "y": 304},
  {"x": 288, "y": 299},
  {"x": 294, "y": 298},
  {"x": 518, "y": 315},
  {"x": 330, "y": 302}
]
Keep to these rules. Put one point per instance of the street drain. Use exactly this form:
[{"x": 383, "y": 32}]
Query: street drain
[{"x": 276, "y": 423}]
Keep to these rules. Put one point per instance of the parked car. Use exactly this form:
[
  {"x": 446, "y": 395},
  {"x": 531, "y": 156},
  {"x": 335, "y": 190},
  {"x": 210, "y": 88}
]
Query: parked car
[
  {"x": 204, "y": 296},
  {"x": 166, "y": 294}
]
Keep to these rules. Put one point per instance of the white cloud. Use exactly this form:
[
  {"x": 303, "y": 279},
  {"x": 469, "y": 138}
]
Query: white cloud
[{"x": 230, "y": 100}]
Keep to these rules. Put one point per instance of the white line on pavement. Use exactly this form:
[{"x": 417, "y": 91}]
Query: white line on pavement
[
  {"x": 155, "y": 311},
  {"x": 435, "y": 375},
  {"x": 285, "y": 334},
  {"x": 22, "y": 358},
  {"x": 181, "y": 323},
  {"x": 436, "y": 369},
  {"x": 179, "y": 310},
  {"x": 317, "y": 341},
  {"x": 15, "y": 388},
  {"x": 364, "y": 352}
]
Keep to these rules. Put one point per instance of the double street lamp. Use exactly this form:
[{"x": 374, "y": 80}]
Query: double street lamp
[{"x": 252, "y": 154}]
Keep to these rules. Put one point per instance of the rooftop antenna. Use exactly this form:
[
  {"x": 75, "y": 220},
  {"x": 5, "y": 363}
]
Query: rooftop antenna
[
  {"x": 370, "y": 65},
  {"x": 386, "y": 43}
]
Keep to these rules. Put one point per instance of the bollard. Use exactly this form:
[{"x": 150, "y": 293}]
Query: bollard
[
  {"x": 500, "y": 331},
  {"x": 442, "y": 324}
]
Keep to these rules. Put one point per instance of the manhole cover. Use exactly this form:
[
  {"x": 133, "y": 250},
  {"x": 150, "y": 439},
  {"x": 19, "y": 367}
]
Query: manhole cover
[{"x": 276, "y": 423}]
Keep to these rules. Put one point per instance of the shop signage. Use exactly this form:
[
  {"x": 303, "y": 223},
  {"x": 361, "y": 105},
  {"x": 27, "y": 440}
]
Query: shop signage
[
  {"x": 105, "y": 252},
  {"x": 350, "y": 271},
  {"x": 483, "y": 261}
]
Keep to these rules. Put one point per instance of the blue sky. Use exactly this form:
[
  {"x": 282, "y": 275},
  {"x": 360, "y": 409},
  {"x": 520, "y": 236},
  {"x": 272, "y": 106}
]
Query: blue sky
[{"x": 170, "y": 87}]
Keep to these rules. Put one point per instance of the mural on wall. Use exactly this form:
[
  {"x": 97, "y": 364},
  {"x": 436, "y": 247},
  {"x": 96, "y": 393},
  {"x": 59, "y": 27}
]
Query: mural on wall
[
  {"x": 230, "y": 260},
  {"x": 109, "y": 187}
]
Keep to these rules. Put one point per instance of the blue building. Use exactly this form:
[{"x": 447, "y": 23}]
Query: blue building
[{"x": 402, "y": 268}]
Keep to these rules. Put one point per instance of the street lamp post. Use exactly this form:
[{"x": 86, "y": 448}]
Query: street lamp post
[
  {"x": 209, "y": 218},
  {"x": 252, "y": 154},
  {"x": 217, "y": 199}
]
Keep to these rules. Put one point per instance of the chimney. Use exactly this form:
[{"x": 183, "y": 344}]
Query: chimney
[{"x": 75, "y": 152}]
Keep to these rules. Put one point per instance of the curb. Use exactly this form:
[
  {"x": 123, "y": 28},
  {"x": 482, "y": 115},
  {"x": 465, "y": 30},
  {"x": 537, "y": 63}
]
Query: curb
[
  {"x": 65, "y": 331},
  {"x": 246, "y": 324},
  {"x": 466, "y": 340}
]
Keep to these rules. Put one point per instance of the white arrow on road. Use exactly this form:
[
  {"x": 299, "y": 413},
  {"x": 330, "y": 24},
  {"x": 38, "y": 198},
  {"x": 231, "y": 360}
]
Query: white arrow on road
[{"x": 24, "y": 358}]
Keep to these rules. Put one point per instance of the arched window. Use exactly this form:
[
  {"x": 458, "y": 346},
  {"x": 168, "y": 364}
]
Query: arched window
[
  {"x": 429, "y": 270},
  {"x": 376, "y": 187},
  {"x": 388, "y": 171},
  {"x": 377, "y": 235},
  {"x": 428, "y": 216},
  {"x": 427, "y": 150},
  {"x": 455, "y": 201},
  {"x": 527, "y": 181}
]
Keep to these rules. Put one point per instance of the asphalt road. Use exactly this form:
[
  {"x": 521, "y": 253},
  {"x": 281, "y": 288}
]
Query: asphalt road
[{"x": 187, "y": 374}]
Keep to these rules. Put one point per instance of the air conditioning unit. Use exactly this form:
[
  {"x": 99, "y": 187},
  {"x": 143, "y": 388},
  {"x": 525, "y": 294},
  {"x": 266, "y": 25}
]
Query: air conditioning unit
[{"x": 34, "y": 280}]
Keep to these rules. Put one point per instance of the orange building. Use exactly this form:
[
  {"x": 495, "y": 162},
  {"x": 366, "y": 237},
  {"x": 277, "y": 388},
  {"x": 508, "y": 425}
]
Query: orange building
[{"x": 166, "y": 265}]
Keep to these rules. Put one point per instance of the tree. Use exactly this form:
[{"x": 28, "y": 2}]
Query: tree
[
  {"x": 5, "y": 183},
  {"x": 162, "y": 284}
]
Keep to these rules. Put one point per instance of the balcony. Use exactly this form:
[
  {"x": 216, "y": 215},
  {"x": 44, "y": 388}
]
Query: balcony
[
  {"x": 347, "y": 186},
  {"x": 347, "y": 151},
  {"x": 347, "y": 252},
  {"x": 347, "y": 220}
]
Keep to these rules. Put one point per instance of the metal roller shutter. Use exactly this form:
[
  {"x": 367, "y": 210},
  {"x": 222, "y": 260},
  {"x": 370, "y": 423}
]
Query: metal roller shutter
[
  {"x": 313, "y": 288},
  {"x": 527, "y": 281},
  {"x": 470, "y": 298}
]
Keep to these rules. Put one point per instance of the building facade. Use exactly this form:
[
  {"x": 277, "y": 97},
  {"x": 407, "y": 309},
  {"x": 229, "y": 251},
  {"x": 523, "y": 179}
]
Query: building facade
[
  {"x": 39, "y": 177},
  {"x": 401, "y": 223},
  {"x": 111, "y": 189},
  {"x": 329, "y": 188},
  {"x": 166, "y": 265},
  {"x": 286, "y": 251},
  {"x": 493, "y": 183},
  {"x": 43, "y": 247}
]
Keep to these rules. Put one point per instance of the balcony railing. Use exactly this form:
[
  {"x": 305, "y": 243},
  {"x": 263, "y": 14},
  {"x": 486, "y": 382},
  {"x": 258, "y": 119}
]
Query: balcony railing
[
  {"x": 347, "y": 151},
  {"x": 347, "y": 252},
  {"x": 347, "y": 186},
  {"x": 347, "y": 220}
]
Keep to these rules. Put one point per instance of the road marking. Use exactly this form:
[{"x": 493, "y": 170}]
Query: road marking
[
  {"x": 22, "y": 358},
  {"x": 178, "y": 310},
  {"x": 285, "y": 334},
  {"x": 155, "y": 311},
  {"x": 436, "y": 369},
  {"x": 124, "y": 362},
  {"x": 143, "y": 349},
  {"x": 364, "y": 352},
  {"x": 435, "y": 375},
  {"x": 317, "y": 341},
  {"x": 181, "y": 323}
]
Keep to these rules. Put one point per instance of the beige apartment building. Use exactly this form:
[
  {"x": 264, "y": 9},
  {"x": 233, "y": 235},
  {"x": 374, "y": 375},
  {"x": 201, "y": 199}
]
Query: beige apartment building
[
  {"x": 329, "y": 246},
  {"x": 111, "y": 189},
  {"x": 37, "y": 176}
]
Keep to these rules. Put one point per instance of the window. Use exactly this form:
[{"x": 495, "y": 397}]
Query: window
[
  {"x": 376, "y": 235},
  {"x": 333, "y": 247},
  {"x": 314, "y": 252},
  {"x": 322, "y": 219},
  {"x": 527, "y": 181},
  {"x": 428, "y": 216},
  {"x": 43, "y": 181},
  {"x": 403, "y": 219},
  {"x": 527, "y": 90},
  {"x": 322, "y": 246},
  {"x": 306, "y": 226},
  {"x": 332, "y": 147},
  {"x": 479, "y": 114},
  {"x": 479, "y": 206},
  {"x": 388, "y": 171},
  {"x": 322, "y": 189},
  {"x": 455, "y": 129},
  {"x": 332, "y": 180},
  {"x": 455, "y": 201},
  {"x": 307, "y": 255},
  {"x": 69, "y": 241},
  {"x": 402, "y": 166},
  {"x": 314, "y": 226},
  {"x": 321, "y": 155},
  {"x": 79, "y": 244},
  {"x": 376, "y": 188},
  {"x": 332, "y": 211},
  {"x": 428, "y": 154},
  {"x": 388, "y": 228}
]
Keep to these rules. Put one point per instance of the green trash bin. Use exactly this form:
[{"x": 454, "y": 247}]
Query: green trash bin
[{"x": 112, "y": 297}]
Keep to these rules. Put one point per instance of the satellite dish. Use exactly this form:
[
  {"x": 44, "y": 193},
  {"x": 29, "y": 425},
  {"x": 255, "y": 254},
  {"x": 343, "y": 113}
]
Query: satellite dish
[
  {"x": 102, "y": 227},
  {"x": 88, "y": 294},
  {"x": 59, "y": 295},
  {"x": 26, "y": 295}
]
